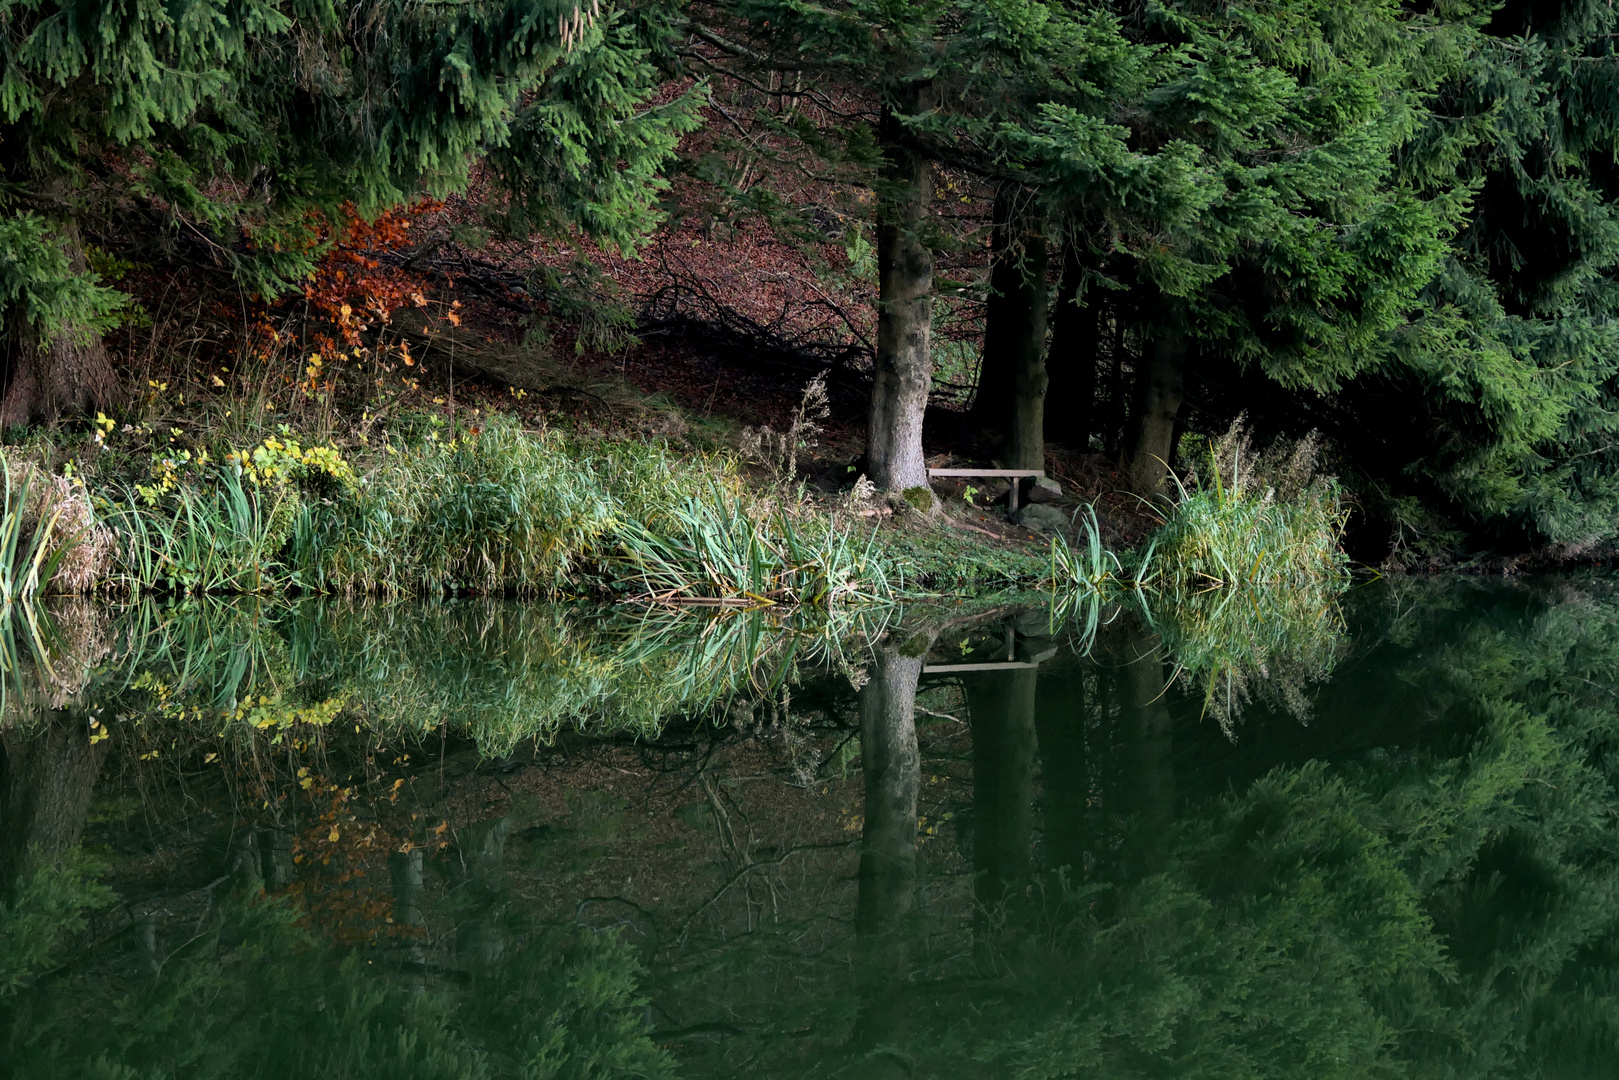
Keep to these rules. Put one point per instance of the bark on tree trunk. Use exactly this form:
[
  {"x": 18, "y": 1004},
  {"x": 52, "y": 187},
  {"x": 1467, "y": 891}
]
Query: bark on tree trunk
[
  {"x": 45, "y": 786},
  {"x": 904, "y": 362},
  {"x": 1160, "y": 389},
  {"x": 1012, "y": 378},
  {"x": 52, "y": 374},
  {"x": 1071, "y": 365}
]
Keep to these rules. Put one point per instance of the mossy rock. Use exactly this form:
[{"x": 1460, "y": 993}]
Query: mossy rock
[{"x": 920, "y": 498}]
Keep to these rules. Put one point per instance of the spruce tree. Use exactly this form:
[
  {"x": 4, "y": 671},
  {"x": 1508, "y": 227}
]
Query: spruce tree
[
  {"x": 1500, "y": 408},
  {"x": 1251, "y": 211},
  {"x": 245, "y": 125}
]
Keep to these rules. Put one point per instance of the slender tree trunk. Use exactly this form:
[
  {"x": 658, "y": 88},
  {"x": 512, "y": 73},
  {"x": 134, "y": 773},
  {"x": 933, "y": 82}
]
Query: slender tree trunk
[
  {"x": 1071, "y": 364},
  {"x": 49, "y": 374},
  {"x": 1012, "y": 378},
  {"x": 1160, "y": 389},
  {"x": 1001, "y": 706},
  {"x": 1115, "y": 415},
  {"x": 904, "y": 362},
  {"x": 46, "y": 782},
  {"x": 992, "y": 399}
]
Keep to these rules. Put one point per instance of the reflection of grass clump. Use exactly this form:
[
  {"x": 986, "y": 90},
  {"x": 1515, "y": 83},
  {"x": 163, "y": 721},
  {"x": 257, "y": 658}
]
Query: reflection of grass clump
[
  {"x": 1266, "y": 641},
  {"x": 498, "y": 673}
]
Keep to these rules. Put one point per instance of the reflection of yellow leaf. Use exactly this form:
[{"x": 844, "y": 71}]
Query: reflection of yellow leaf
[{"x": 332, "y": 837}]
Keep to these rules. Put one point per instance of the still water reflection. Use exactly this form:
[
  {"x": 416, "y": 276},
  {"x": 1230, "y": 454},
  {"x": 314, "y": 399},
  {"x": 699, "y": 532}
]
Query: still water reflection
[{"x": 473, "y": 840}]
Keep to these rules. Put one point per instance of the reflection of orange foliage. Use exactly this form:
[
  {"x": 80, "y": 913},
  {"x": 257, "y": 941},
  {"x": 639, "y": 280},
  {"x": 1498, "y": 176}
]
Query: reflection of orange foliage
[{"x": 333, "y": 853}]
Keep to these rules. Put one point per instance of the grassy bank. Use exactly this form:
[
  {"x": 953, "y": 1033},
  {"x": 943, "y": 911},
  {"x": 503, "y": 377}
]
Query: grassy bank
[
  {"x": 422, "y": 509},
  {"x": 427, "y": 506}
]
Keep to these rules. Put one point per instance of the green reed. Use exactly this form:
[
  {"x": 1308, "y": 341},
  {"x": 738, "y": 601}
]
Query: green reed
[{"x": 503, "y": 511}]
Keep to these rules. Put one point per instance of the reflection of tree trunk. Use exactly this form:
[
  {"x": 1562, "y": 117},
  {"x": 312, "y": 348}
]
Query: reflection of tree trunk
[
  {"x": 1059, "y": 720},
  {"x": 480, "y": 943},
  {"x": 45, "y": 786},
  {"x": 1001, "y": 705},
  {"x": 409, "y": 915},
  {"x": 276, "y": 846},
  {"x": 904, "y": 361},
  {"x": 1151, "y": 771},
  {"x": 892, "y": 765}
]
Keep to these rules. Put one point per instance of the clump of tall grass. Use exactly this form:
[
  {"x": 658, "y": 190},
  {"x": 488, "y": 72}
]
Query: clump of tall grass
[
  {"x": 499, "y": 510},
  {"x": 50, "y": 538},
  {"x": 226, "y": 538},
  {"x": 1252, "y": 518},
  {"x": 1088, "y": 567},
  {"x": 718, "y": 547}
]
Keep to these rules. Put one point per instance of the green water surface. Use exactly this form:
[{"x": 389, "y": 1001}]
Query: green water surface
[{"x": 1236, "y": 836}]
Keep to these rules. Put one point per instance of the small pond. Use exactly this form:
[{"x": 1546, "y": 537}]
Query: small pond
[{"x": 1375, "y": 835}]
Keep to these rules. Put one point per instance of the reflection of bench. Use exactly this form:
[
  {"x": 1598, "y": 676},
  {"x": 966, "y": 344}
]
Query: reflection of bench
[
  {"x": 1009, "y": 664},
  {"x": 1014, "y": 474}
]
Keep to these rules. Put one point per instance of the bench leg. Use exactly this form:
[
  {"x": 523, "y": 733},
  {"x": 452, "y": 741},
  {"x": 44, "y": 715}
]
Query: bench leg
[{"x": 1011, "y": 501}]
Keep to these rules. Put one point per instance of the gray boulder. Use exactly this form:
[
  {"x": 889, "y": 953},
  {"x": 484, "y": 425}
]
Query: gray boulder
[
  {"x": 1041, "y": 489},
  {"x": 1041, "y": 518}
]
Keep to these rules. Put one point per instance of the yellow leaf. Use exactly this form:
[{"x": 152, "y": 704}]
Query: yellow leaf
[{"x": 332, "y": 837}]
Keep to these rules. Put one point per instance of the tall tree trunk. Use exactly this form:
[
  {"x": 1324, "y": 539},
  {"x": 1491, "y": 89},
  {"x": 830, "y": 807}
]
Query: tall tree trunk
[
  {"x": 904, "y": 362},
  {"x": 1160, "y": 389},
  {"x": 1001, "y": 707},
  {"x": 1012, "y": 378},
  {"x": 1071, "y": 364},
  {"x": 1112, "y": 421},
  {"x": 46, "y": 782},
  {"x": 49, "y": 374}
]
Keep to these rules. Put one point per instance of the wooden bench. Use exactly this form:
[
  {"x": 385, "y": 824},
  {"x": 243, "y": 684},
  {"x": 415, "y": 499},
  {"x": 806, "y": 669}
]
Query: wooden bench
[{"x": 1014, "y": 474}]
